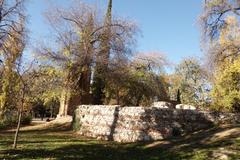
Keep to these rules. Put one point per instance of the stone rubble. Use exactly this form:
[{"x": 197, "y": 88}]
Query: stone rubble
[
  {"x": 162, "y": 104},
  {"x": 131, "y": 124},
  {"x": 185, "y": 106}
]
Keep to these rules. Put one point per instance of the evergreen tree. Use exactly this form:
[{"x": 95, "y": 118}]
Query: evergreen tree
[
  {"x": 101, "y": 68},
  {"x": 178, "y": 96}
]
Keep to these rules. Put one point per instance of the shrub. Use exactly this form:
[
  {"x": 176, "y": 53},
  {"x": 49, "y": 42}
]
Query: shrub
[
  {"x": 26, "y": 119},
  {"x": 76, "y": 121},
  {"x": 177, "y": 132},
  {"x": 12, "y": 119}
]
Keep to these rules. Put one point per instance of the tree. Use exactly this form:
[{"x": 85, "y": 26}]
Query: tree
[
  {"x": 12, "y": 50},
  {"x": 13, "y": 41},
  {"x": 190, "y": 82},
  {"x": 226, "y": 90},
  {"x": 225, "y": 93},
  {"x": 226, "y": 47},
  {"x": 81, "y": 33},
  {"x": 214, "y": 16},
  {"x": 11, "y": 11},
  {"x": 74, "y": 53},
  {"x": 47, "y": 97},
  {"x": 25, "y": 82},
  {"x": 102, "y": 61},
  {"x": 221, "y": 26},
  {"x": 137, "y": 82},
  {"x": 178, "y": 96}
]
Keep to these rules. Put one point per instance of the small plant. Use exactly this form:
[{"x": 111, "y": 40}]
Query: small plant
[
  {"x": 76, "y": 121},
  {"x": 26, "y": 119},
  {"x": 11, "y": 121},
  {"x": 176, "y": 131}
]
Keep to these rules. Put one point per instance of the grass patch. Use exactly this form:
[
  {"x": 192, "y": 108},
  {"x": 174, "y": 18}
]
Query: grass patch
[{"x": 64, "y": 144}]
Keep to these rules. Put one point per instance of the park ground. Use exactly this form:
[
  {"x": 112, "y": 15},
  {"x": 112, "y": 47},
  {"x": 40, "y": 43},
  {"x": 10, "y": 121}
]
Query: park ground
[{"x": 57, "y": 141}]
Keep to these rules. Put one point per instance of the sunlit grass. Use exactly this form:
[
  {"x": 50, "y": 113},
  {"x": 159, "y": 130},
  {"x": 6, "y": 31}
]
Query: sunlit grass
[{"x": 67, "y": 145}]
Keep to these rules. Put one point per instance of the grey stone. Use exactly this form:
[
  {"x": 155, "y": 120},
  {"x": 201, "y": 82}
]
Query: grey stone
[{"x": 131, "y": 124}]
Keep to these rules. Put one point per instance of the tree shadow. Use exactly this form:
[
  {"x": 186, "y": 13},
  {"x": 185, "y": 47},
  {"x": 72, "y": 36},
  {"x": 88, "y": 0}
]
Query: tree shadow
[
  {"x": 88, "y": 152},
  {"x": 59, "y": 142},
  {"x": 184, "y": 147},
  {"x": 53, "y": 127},
  {"x": 205, "y": 141},
  {"x": 170, "y": 123},
  {"x": 114, "y": 124}
]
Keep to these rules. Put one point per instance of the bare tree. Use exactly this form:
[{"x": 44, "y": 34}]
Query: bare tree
[
  {"x": 80, "y": 31},
  {"x": 220, "y": 30},
  {"x": 25, "y": 80},
  {"x": 12, "y": 50},
  {"x": 214, "y": 14},
  {"x": 13, "y": 41},
  {"x": 11, "y": 11}
]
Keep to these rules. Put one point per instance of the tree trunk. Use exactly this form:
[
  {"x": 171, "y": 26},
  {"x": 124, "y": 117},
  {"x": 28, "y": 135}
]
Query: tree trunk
[
  {"x": 17, "y": 130},
  {"x": 64, "y": 103},
  {"x": 19, "y": 120}
]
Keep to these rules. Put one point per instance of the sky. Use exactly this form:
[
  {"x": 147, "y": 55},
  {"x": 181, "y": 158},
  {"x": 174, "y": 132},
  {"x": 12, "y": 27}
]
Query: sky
[{"x": 167, "y": 26}]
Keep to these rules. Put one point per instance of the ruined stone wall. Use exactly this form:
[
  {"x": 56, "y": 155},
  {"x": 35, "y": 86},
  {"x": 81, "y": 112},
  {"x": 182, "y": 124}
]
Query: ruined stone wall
[{"x": 130, "y": 124}]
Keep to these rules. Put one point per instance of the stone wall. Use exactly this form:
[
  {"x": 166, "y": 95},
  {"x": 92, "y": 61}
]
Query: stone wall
[{"x": 131, "y": 124}]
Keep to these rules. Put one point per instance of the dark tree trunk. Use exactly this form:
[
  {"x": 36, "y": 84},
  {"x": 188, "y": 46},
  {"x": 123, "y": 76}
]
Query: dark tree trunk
[{"x": 178, "y": 96}]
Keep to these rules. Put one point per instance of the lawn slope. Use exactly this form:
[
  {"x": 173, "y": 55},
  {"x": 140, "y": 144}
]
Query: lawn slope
[{"x": 57, "y": 141}]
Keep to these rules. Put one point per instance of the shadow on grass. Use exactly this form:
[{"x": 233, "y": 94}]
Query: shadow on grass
[
  {"x": 90, "y": 152},
  {"x": 51, "y": 127},
  {"x": 47, "y": 145}
]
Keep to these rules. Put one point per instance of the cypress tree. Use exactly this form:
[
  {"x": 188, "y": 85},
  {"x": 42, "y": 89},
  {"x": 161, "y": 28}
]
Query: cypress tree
[
  {"x": 178, "y": 96},
  {"x": 101, "y": 69}
]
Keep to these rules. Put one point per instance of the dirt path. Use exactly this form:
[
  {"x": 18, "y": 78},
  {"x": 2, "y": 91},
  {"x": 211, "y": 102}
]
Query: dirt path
[{"x": 56, "y": 124}]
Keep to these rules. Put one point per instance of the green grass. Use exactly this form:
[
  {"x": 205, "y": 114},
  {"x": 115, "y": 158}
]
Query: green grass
[{"x": 64, "y": 144}]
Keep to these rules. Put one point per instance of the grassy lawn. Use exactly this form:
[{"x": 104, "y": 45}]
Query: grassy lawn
[{"x": 62, "y": 143}]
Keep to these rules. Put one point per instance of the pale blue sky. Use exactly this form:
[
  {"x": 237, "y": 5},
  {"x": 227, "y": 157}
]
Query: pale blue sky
[{"x": 168, "y": 26}]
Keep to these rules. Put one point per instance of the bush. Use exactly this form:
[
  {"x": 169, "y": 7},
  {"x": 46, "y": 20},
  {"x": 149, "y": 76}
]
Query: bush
[
  {"x": 8, "y": 122},
  {"x": 177, "y": 132},
  {"x": 26, "y": 119},
  {"x": 76, "y": 121},
  {"x": 12, "y": 119},
  {"x": 2, "y": 126}
]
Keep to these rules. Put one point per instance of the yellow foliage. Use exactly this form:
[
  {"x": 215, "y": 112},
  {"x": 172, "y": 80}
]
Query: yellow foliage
[
  {"x": 226, "y": 91},
  {"x": 231, "y": 32}
]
